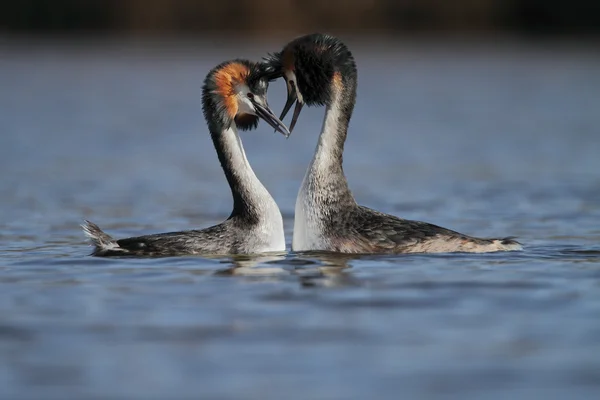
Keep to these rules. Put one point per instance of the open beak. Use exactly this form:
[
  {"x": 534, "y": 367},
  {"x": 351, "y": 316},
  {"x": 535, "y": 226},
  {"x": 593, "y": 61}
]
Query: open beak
[
  {"x": 293, "y": 96},
  {"x": 264, "y": 112}
]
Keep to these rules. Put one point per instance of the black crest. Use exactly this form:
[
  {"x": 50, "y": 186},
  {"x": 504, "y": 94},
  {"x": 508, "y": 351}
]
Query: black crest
[
  {"x": 272, "y": 66},
  {"x": 316, "y": 58}
]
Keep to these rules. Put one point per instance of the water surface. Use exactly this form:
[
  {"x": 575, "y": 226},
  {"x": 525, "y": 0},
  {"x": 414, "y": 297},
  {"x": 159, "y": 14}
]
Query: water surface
[{"x": 490, "y": 139}]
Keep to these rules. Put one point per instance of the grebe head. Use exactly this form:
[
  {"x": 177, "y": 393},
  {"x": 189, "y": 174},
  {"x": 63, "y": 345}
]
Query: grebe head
[
  {"x": 236, "y": 92},
  {"x": 312, "y": 66}
]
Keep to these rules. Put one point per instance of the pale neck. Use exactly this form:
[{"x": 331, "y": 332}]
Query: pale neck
[
  {"x": 326, "y": 172},
  {"x": 250, "y": 197}
]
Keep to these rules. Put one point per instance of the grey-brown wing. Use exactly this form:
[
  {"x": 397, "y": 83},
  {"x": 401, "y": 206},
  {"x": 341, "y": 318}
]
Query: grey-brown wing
[
  {"x": 210, "y": 240},
  {"x": 387, "y": 233}
]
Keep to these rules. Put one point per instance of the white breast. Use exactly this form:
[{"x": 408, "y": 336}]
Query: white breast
[
  {"x": 273, "y": 230},
  {"x": 308, "y": 221},
  {"x": 307, "y": 224}
]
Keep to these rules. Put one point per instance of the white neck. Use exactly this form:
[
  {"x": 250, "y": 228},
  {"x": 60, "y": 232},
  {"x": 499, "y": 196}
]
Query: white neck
[
  {"x": 325, "y": 175},
  {"x": 240, "y": 166},
  {"x": 327, "y": 144},
  {"x": 249, "y": 190},
  {"x": 324, "y": 187}
]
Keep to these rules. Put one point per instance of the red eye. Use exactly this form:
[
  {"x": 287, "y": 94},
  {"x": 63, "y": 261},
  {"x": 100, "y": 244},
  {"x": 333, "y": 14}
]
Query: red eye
[{"x": 250, "y": 96}]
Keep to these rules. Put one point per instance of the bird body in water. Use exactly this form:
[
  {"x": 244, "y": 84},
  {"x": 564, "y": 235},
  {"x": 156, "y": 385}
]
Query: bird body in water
[
  {"x": 319, "y": 70},
  {"x": 234, "y": 97}
]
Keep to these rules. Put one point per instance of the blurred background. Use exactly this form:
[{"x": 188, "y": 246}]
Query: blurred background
[
  {"x": 477, "y": 115},
  {"x": 263, "y": 17}
]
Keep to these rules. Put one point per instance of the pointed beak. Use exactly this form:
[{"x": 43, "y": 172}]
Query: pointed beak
[
  {"x": 293, "y": 96},
  {"x": 264, "y": 112}
]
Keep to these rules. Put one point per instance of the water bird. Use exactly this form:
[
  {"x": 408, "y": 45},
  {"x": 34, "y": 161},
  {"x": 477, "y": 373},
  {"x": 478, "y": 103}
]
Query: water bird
[
  {"x": 234, "y": 96},
  {"x": 319, "y": 70}
]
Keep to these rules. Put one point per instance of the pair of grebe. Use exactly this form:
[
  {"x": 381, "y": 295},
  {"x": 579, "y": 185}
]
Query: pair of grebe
[{"x": 319, "y": 70}]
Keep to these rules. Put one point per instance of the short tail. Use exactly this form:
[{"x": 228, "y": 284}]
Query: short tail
[
  {"x": 102, "y": 242},
  {"x": 508, "y": 244}
]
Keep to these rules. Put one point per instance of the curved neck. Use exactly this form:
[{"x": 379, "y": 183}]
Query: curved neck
[
  {"x": 326, "y": 173},
  {"x": 250, "y": 197}
]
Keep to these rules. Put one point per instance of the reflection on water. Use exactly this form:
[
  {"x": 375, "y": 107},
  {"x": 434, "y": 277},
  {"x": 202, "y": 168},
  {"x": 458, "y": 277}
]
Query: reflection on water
[{"x": 500, "y": 141}]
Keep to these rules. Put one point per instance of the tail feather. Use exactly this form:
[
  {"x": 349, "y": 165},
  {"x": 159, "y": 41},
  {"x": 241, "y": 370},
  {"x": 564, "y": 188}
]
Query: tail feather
[
  {"x": 102, "y": 241},
  {"x": 508, "y": 244}
]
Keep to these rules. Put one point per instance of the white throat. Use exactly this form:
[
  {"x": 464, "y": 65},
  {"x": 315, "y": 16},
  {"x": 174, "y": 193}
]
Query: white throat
[
  {"x": 269, "y": 234},
  {"x": 308, "y": 228},
  {"x": 327, "y": 139}
]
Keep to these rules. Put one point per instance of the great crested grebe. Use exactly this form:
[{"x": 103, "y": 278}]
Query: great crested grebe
[
  {"x": 233, "y": 97},
  {"x": 320, "y": 70}
]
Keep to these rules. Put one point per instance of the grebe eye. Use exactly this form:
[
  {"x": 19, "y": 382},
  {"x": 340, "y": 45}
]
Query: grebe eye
[{"x": 250, "y": 96}]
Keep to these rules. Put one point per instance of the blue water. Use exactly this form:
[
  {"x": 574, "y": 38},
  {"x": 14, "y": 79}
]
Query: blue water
[{"x": 490, "y": 139}]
